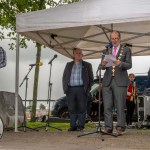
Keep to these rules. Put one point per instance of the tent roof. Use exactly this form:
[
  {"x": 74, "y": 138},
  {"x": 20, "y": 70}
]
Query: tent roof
[{"x": 87, "y": 25}]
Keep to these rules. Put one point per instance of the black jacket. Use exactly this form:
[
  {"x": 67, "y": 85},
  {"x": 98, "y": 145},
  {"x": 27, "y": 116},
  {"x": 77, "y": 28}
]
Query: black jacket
[{"x": 87, "y": 76}]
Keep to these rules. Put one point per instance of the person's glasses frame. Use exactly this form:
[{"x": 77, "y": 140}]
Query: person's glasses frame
[{"x": 115, "y": 39}]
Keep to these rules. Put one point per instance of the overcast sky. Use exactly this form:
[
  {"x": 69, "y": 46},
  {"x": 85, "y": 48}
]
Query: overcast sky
[{"x": 27, "y": 56}]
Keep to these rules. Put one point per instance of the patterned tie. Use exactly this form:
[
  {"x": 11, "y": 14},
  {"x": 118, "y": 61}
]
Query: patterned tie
[{"x": 115, "y": 51}]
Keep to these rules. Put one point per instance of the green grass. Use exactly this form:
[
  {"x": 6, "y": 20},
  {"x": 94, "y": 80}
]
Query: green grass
[{"x": 63, "y": 126}]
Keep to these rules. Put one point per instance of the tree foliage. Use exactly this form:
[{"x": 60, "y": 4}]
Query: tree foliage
[
  {"x": 8, "y": 11},
  {"x": 42, "y": 107}
]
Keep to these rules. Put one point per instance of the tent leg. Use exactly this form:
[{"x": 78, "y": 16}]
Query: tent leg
[{"x": 17, "y": 83}]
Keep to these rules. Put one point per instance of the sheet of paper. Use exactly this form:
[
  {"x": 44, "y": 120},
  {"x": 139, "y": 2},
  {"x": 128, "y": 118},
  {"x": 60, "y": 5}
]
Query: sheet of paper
[{"x": 110, "y": 59}]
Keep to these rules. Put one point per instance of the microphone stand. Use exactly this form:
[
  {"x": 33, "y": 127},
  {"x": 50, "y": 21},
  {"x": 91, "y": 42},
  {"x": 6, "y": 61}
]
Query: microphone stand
[
  {"x": 98, "y": 128},
  {"x": 49, "y": 100},
  {"x": 26, "y": 90}
]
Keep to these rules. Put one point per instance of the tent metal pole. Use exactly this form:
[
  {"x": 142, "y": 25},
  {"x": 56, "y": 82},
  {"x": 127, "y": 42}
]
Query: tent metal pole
[
  {"x": 144, "y": 50},
  {"x": 62, "y": 47},
  {"x": 17, "y": 83}
]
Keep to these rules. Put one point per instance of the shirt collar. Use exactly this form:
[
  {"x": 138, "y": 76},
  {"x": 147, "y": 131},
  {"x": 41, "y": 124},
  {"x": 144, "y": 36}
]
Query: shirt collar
[
  {"x": 117, "y": 47},
  {"x": 79, "y": 62}
]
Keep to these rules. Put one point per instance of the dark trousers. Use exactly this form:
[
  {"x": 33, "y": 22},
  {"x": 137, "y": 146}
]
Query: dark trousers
[
  {"x": 77, "y": 104},
  {"x": 130, "y": 111}
]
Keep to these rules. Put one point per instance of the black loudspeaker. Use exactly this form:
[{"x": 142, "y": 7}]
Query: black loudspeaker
[
  {"x": 143, "y": 107},
  {"x": 7, "y": 109}
]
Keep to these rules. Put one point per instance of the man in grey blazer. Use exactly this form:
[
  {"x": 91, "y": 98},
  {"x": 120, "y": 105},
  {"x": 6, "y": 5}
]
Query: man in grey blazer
[
  {"x": 77, "y": 81},
  {"x": 115, "y": 82}
]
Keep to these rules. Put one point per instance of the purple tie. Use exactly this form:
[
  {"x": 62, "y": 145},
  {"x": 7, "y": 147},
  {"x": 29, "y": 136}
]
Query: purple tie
[{"x": 115, "y": 51}]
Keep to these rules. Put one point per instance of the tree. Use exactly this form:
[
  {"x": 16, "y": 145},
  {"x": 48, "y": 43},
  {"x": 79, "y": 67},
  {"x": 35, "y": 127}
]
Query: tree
[
  {"x": 8, "y": 11},
  {"x": 42, "y": 107}
]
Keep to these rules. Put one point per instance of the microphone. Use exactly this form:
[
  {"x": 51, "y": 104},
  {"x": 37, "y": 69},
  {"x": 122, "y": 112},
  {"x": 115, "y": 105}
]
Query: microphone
[
  {"x": 109, "y": 45},
  {"x": 55, "y": 56},
  {"x": 37, "y": 64}
]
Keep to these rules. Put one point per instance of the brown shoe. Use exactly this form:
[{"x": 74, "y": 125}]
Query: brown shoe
[{"x": 119, "y": 132}]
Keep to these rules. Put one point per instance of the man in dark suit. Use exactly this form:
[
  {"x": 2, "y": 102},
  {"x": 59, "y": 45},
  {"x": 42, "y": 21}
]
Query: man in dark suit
[
  {"x": 115, "y": 82},
  {"x": 77, "y": 81}
]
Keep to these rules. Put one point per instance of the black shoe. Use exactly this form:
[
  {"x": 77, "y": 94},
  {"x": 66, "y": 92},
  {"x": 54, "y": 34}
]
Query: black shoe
[
  {"x": 72, "y": 129},
  {"x": 80, "y": 128},
  {"x": 107, "y": 131}
]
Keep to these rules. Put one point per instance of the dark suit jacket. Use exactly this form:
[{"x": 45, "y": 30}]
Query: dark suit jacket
[
  {"x": 87, "y": 75},
  {"x": 121, "y": 75}
]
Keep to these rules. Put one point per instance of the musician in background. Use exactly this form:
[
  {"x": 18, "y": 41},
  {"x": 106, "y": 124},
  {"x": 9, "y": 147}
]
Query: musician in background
[{"x": 131, "y": 99}]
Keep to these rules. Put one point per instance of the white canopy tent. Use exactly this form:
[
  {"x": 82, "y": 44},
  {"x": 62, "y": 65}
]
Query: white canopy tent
[{"x": 87, "y": 25}]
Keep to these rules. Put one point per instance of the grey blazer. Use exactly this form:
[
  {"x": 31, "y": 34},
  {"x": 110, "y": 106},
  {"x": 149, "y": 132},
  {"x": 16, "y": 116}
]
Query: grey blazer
[
  {"x": 87, "y": 76},
  {"x": 120, "y": 73}
]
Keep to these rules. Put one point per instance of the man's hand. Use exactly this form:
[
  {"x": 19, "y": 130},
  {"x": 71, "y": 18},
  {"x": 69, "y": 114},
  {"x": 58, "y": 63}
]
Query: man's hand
[
  {"x": 117, "y": 62},
  {"x": 104, "y": 62}
]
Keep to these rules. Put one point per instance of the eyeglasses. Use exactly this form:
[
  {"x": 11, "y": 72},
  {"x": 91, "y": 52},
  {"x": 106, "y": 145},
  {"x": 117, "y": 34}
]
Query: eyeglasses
[
  {"x": 77, "y": 53},
  {"x": 114, "y": 39}
]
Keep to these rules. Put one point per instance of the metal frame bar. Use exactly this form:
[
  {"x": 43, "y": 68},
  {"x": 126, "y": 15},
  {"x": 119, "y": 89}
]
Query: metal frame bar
[{"x": 17, "y": 82}]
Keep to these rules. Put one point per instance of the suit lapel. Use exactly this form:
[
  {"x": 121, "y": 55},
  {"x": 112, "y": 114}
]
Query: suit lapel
[
  {"x": 83, "y": 67},
  {"x": 118, "y": 52},
  {"x": 70, "y": 67}
]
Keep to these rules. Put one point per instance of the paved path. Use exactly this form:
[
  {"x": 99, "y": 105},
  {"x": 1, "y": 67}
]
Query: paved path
[{"x": 63, "y": 140}]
